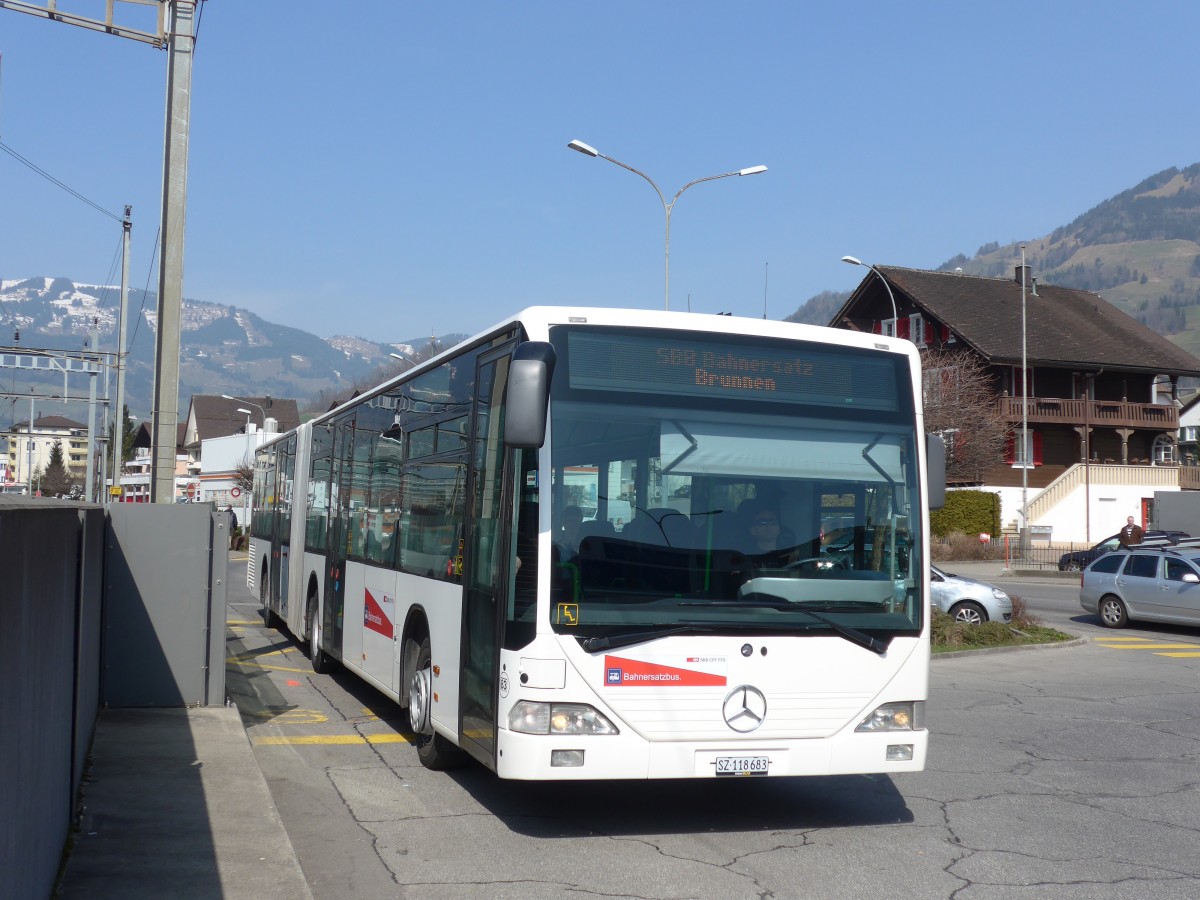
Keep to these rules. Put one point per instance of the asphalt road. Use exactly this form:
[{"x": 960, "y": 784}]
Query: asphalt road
[{"x": 1065, "y": 772}]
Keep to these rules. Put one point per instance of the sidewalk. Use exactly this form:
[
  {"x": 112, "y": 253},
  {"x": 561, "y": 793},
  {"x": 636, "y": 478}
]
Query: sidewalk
[
  {"x": 175, "y": 805},
  {"x": 991, "y": 569}
]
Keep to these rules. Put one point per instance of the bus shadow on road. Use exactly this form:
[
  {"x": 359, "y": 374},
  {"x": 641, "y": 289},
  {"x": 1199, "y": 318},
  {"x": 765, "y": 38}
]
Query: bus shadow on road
[{"x": 618, "y": 808}]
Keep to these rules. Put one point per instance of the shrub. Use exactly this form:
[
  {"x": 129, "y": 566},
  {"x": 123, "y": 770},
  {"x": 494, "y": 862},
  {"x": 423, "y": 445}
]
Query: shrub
[
  {"x": 964, "y": 546},
  {"x": 949, "y": 635},
  {"x": 967, "y": 512}
]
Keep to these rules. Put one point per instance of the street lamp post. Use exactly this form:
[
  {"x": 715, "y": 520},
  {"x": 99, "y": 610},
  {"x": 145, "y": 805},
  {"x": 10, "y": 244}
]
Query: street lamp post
[
  {"x": 250, "y": 462},
  {"x": 248, "y": 403},
  {"x": 855, "y": 261},
  {"x": 588, "y": 150},
  {"x": 1025, "y": 421}
]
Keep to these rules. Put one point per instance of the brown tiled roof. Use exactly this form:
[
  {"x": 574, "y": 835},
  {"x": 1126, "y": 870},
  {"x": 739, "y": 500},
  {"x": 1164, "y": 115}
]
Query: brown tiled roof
[
  {"x": 1064, "y": 327},
  {"x": 218, "y": 417}
]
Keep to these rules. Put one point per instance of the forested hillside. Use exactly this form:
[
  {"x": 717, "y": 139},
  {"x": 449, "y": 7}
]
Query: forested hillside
[{"x": 1140, "y": 250}]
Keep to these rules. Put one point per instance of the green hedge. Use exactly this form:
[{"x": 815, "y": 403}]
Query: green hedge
[{"x": 967, "y": 512}]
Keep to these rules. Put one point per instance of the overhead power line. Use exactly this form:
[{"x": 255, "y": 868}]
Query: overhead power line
[{"x": 70, "y": 190}]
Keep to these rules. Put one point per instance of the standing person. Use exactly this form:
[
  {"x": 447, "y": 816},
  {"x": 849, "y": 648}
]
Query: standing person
[
  {"x": 233, "y": 527},
  {"x": 1131, "y": 534}
]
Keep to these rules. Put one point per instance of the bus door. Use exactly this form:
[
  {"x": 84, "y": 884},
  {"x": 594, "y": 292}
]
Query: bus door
[
  {"x": 336, "y": 548},
  {"x": 487, "y": 570},
  {"x": 277, "y": 539}
]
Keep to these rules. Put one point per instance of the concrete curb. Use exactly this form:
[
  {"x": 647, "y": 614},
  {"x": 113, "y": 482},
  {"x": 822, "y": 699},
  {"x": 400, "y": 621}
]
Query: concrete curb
[{"x": 979, "y": 651}]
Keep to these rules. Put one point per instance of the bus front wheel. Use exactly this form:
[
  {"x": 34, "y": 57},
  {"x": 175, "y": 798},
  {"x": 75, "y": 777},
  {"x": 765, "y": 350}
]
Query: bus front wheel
[{"x": 434, "y": 751}]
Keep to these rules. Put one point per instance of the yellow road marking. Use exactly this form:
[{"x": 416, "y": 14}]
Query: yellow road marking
[
  {"x": 246, "y": 664},
  {"x": 317, "y": 739},
  {"x": 1117, "y": 638},
  {"x": 257, "y": 654},
  {"x": 243, "y": 621},
  {"x": 291, "y": 716},
  {"x": 1149, "y": 646},
  {"x": 1182, "y": 655}
]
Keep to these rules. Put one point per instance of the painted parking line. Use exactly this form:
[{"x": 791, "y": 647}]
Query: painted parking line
[
  {"x": 1160, "y": 648},
  {"x": 320, "y": 739}
]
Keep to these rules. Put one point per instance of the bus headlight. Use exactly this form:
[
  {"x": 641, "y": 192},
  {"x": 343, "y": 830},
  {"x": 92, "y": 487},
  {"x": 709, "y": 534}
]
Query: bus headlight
[
  {"x": 532, "y": 717},
  {"x": 905, "y": 716}
]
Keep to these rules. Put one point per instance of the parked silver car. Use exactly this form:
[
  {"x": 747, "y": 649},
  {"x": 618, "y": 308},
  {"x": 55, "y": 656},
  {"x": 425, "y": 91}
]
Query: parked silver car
[
  {"x": 968, "y": 600},
  {"x": 1155, "y": 585}
]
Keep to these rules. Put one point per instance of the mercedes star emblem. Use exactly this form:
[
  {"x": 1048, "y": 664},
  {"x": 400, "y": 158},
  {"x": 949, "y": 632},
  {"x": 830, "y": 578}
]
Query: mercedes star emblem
[{"x": 745, "y": 708}]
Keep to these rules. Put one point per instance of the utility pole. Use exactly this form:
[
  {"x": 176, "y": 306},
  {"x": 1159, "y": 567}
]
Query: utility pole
[
  {"x": 175, "y": 31},
  {"x": 165, "y": 413}
]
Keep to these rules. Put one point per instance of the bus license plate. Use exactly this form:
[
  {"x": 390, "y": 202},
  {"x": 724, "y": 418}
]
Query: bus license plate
[{"x": 743, "y": 765}]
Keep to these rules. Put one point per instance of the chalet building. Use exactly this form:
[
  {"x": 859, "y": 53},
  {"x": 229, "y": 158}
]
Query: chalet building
[{"x": 1103, "y": 410}]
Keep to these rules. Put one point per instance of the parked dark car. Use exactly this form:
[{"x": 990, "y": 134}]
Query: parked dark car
[{"x": 1078, "y": 560}]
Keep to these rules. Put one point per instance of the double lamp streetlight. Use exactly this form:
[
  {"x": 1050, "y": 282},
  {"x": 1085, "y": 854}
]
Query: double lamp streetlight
[{"x": 588, "y": 150}]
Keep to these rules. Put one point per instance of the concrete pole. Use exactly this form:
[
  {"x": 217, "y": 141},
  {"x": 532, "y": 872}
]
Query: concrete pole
[
  {"x": 90, "y": 483},
  {"x": 118, "y": 449},
  {"x": 170, "y": 274}
]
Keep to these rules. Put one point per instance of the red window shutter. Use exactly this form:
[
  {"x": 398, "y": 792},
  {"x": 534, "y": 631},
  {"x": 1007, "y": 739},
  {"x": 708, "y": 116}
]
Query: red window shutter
[
  {"x": 1037, "y": 448},
  {"x": 930, "y": 333},
  {"x": 902, "y": 329},
  {"x": 1010, "y": 449},
  {"x": 877, "y": 327},
  {"x": 945, "y": 334}
]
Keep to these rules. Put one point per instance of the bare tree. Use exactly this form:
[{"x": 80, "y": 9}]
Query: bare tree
[
  {"x": 243, "y": 478},
  {"x": 960, "y": 404}
]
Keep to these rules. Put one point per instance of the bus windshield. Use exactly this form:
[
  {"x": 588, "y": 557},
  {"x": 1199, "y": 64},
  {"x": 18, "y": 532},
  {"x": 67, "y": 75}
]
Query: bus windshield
[{"x": 731, "y": 483}]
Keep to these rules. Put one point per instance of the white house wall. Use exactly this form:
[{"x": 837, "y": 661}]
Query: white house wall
[
  {"x": 1110, "y": 504},
  {"x": 219, "y": 460}
]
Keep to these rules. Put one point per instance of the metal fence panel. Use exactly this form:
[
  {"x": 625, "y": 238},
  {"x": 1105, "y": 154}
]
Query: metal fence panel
[{"x": 165, "y": 611}]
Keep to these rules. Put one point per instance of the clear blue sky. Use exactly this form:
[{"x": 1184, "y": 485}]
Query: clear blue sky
[{"x": 395, "y": 169}]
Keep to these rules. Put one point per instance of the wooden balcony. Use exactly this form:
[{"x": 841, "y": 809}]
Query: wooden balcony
[
  {"x": 1109, "y": 413},
  {"x": 1189, "y": 478}
]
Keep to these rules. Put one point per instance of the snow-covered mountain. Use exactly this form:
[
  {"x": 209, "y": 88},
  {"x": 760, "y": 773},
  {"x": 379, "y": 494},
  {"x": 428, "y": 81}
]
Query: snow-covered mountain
[{"x": 223, "y": 349}]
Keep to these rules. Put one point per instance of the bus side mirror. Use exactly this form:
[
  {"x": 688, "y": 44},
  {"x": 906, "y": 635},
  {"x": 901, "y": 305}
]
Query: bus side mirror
[
  {"x": 528, "y": 395},
  {"x": 935, "y": 455}
]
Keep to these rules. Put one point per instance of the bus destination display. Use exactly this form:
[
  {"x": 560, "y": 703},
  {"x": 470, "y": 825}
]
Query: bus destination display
[{"x": 799, "y": 373}]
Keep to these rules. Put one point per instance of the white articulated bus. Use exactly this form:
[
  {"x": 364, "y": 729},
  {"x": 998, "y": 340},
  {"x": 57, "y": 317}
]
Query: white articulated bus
[{"x": 601, "y": 543}]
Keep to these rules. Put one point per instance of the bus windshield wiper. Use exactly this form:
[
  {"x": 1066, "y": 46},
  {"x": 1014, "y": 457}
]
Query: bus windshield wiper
[
  {"x": 768, "y": 601},
  {"x": 611, "y": 642}
]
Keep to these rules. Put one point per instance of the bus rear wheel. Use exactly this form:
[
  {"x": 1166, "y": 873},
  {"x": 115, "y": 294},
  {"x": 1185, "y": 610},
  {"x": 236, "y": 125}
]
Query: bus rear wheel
[
  {"x": 272, "y": 620},
  {"x": 318, "y": 658},
  {"x": 434, "y": 751}
]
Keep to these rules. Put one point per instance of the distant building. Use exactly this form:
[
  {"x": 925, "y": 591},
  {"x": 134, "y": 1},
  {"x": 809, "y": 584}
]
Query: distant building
[
  {"x": 216, "y": 437},
  {"x": 29, "y": 448}
]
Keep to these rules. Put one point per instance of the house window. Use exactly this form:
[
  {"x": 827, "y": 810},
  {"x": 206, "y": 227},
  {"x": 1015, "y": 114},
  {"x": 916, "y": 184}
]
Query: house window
[
  {"x": 916, "y": 328},
  {"x": 1024, "y": 454},
  {"x": 1164, "y": 450}
]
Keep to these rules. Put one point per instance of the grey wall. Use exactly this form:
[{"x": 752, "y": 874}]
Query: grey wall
[
  {"x": 1177, "y": 511},
  {"x": 164, "y": 630},
  {"x": 126, "y": 608}
]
